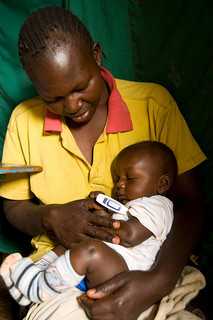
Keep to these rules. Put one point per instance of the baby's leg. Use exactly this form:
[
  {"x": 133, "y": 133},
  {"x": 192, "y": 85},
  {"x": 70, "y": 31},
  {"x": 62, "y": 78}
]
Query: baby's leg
[
  {"x": 96, "y": 261},
  {"x": 92, "y": 259}
]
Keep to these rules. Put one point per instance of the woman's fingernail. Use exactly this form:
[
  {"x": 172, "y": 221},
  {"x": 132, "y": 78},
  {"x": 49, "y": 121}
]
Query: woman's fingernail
[
  {"x": 116, "y": 225},
  {"x": 90, "y": 292},
  {"x": 116, "y": 240}
]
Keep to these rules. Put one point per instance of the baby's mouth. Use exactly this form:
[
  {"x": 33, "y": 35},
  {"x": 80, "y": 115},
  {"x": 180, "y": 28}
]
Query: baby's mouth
[{"x": 121, "y": 198}]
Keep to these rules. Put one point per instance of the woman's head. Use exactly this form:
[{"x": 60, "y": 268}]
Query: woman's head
[
  {"x": 49, "y": 28},
  {"x": 62, "y": 61}
]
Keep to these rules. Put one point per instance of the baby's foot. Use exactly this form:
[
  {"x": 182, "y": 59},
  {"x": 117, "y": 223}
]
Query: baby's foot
[
  {"x": 6, "y": 269},
  {"x": 7, "y": 265}
]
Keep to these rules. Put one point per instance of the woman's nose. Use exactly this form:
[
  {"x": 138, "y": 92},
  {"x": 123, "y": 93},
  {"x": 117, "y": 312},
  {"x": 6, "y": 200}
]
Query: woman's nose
[{"x": 73, "y": 103}]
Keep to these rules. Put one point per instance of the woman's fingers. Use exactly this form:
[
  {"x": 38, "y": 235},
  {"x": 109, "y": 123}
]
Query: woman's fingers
[{"x": 105, "y": 234}]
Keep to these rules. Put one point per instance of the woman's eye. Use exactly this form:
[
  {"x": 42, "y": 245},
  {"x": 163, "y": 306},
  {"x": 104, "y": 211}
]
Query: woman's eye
[
  {"x": 79, "y": 89},
  {"x": 57, "y": 99},
  {"x": 50, "y": 102},
  {"x": 82, "y": 87}
]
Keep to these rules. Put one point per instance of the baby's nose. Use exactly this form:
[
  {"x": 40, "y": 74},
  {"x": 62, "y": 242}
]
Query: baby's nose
[{"x": 121, "y": 184}]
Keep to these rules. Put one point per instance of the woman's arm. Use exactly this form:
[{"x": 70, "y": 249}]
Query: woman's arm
[
  {"x": 69, "y": 223},
  {"x": 25, "y": 216}
]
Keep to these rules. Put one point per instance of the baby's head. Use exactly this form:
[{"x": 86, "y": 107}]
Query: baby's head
[{"x": 143, "y": 169}]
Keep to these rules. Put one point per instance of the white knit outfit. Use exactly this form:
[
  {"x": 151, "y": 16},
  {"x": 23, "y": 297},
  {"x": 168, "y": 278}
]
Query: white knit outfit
[{"x": 156, "y": 214}]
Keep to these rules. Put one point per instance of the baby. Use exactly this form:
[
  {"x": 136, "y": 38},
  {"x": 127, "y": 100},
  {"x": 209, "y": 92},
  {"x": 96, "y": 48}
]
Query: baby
[{"x": 143, "y": 174}]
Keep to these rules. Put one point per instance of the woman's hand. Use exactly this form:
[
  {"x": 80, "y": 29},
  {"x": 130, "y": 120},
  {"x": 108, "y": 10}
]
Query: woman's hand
[
  {"x": 75, "y": 221},
  {"x": 124, "y": 297}
]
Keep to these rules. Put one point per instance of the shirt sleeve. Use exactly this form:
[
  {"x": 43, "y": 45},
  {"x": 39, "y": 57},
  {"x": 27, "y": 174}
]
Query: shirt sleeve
[
  {"x": 155, "y": 213},
  {"x": 173, "y": 130},
  {"x": 14, "y": 186}
]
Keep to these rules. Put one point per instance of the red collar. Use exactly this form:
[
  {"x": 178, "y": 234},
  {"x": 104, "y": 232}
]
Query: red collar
[{"x": 118, "y": 119}]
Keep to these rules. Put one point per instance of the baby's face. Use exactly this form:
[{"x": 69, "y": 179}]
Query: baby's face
[{"x": 135, "y": 177}]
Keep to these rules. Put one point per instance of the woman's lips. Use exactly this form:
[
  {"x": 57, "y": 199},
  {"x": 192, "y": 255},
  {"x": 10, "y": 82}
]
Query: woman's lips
[{"x": 80, "y": 113}]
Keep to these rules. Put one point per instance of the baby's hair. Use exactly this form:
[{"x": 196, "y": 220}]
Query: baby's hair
[
  {"x": 159, "y": 151},
  {"x": 53, "y": 24}
]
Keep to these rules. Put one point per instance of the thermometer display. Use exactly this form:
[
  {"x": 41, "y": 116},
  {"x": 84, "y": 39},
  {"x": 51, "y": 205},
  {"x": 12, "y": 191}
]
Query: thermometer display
[{"x": 111, "y": 204}]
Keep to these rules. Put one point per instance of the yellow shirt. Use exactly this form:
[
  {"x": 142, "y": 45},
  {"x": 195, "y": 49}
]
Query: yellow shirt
[{"x": 66, "y": 174}]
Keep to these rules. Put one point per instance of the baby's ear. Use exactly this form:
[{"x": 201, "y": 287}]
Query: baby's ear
[{"x": 164, "y": 184}]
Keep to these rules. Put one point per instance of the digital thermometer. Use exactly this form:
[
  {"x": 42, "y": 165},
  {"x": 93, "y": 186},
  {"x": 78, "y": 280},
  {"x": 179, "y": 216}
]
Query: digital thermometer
[{"x": 111, "y": 204}]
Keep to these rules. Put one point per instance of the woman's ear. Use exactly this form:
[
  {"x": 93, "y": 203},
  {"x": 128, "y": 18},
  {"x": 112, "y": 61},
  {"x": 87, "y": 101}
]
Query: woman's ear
[
  {"x": 164, "y": 184},
  {"x": 97, "y": 53}
]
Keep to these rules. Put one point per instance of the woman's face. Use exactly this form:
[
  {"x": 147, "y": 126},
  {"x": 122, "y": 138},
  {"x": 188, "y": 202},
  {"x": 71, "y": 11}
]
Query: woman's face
[{"x": 69, "y": 81}]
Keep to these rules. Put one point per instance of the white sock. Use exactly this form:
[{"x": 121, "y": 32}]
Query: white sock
[
  {"x": 37, "y": 284},
  {"x": 23, "y": 274},
  {"x": 57, "y": 278},
  {"x": 47, "y": 259},
  {"x": 11, "y": 262},
  {"x": 5, "y": 272},
  {"x": 61, "y": 273}
]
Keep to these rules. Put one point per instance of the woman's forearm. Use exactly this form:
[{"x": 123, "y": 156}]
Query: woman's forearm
[
  {"x": 186, "y": 229},
  {"x": 184, "y": 235},
  {"x": 25, "y": 216}
]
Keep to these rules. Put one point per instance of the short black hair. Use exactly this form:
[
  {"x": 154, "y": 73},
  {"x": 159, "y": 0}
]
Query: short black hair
[
  {"x": 167, "y": 162},
  {"x": 51, "y": 23}
]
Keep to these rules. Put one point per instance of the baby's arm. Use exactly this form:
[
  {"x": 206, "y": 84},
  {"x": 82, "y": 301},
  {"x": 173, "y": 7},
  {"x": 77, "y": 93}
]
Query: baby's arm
[
  {"x": 130, "y": 233},
  {"x": 127, "y": 233},
  {"x": 147, "y": 217}
]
